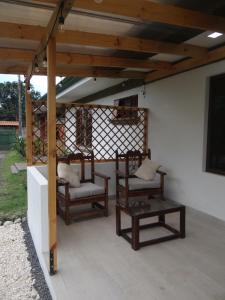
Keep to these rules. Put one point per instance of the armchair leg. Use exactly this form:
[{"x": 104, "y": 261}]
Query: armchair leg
[
  {"x": 106, "y": 210},
  {"x": 118, "y": 220},
  {"x": 67, "y": 215}
]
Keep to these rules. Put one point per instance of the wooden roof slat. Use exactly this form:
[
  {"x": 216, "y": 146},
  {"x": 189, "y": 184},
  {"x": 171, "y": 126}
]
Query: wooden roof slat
[
  {"x": 188, "y": 64},
  {"x": 148, "y": 11},
  {"x": 86, "y": 60},
  {"x": 79, "y": 72},
  {"x": 31, "y": 32},
  {"x": 128, "y": 43}
]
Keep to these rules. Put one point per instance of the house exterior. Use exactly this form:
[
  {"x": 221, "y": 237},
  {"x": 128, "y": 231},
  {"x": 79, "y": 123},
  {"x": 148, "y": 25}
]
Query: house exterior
[
  {"x": 164, "y": 53},
  {"x": 177, "y": 135}
]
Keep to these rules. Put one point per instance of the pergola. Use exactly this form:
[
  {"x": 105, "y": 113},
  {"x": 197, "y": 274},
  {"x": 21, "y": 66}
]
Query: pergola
[{"x": 102, "y": 38}]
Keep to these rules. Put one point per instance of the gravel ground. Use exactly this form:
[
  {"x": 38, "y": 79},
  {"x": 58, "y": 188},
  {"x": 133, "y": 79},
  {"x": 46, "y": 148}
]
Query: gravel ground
[
  {"x": 21, "y": 277},
  {"x": 36, "y": 271}
]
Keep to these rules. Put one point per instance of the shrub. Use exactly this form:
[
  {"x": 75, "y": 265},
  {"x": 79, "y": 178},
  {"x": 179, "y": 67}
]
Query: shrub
[{"x": 20, "y": 146}]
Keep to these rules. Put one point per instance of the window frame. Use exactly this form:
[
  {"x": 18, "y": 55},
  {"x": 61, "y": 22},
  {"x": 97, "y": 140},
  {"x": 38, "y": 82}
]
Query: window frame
[{"x": 208, "y": 166}]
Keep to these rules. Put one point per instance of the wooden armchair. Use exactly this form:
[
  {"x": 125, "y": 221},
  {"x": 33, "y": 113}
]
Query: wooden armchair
[
  {"x": 128, "y": 185},
  {"x": 87, "y": 193}
]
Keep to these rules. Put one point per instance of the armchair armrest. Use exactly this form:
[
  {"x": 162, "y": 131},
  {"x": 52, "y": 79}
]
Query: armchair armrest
[
  {"x": 101, "y": 175},
  {"x": 61, "y": 182},
  {"x": 161, "y": 172},
  {"x": 106, "y": 179}
]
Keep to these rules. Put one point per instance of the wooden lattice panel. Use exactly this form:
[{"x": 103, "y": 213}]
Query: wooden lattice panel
[
  {"x": 103, "y": 129},
  {"x": 39, "y": 129}
]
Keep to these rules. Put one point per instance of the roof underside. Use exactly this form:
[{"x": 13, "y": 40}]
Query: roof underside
[{"x": 111, "y": 40}]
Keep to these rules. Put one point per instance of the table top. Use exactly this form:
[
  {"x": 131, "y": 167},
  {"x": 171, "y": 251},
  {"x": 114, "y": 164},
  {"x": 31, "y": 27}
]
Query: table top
[{"x": 139, "y": 206}]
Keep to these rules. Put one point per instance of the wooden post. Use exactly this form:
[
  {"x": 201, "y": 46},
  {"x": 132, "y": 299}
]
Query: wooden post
[
  {"x": 29, "y": 128},
  {"x": 146, "y": 126},
  {"x": 51, "y": 129}
]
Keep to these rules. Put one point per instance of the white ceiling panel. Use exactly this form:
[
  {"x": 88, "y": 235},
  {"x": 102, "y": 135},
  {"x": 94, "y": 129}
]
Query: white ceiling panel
[
  {"x": 203, "y": 40},
  {"x": 167, "y": 57},
  {"x": 97, "y": 25},
  {"x": 24, "y": 15}
]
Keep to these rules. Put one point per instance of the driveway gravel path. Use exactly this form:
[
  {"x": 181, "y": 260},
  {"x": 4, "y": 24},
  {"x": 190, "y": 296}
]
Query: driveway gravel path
[
  {"x": 15, "y": 273},
  {"x": 21, "y": 277}
]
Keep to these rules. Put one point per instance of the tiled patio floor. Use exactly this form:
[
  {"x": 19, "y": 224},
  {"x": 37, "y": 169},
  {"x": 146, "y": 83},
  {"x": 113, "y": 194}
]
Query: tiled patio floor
[{"x": 95, "y": 264}]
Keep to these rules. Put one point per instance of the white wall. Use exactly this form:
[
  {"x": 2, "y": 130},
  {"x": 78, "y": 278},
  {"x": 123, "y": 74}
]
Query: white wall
[
  {"x": 37, "y": 213},
  {"x": 178, "y": 110}
]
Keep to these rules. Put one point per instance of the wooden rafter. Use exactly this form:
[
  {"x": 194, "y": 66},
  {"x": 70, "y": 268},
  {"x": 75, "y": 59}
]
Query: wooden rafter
[
  {"x": 35, "y": 33},
  {"x": 72, "y": 71},
  {"x": 212, "y": 56},
  {"x": 87, "y": 60},
  {"x": 149, "y": 11}
]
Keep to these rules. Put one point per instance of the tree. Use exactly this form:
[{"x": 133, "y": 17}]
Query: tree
[{"x": 9, "y": 100}]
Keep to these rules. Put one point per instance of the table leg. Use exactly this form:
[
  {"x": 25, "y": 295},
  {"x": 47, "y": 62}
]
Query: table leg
[
  {"x": 182, "y": 223},
  {"x": 162, "y": 219},
  {"x": 135, "y": 233},
  {"x": 118, "y": 220}
]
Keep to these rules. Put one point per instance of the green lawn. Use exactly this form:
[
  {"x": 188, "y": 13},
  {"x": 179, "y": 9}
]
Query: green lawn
[{"x": 13, "y": 195}]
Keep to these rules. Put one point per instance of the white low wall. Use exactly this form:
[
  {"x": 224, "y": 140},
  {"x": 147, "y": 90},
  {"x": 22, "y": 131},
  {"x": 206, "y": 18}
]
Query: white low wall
[
  {"x": 37, "y": 215},
  {"x": 37, "y": 191}
]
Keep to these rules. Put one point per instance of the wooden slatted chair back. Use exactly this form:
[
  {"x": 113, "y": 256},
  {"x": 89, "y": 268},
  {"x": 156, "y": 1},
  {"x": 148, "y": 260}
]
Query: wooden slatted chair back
[{"x": 81, "y": 159}]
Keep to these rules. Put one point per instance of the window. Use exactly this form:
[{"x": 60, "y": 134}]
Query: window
[
  {"x": 84, "y": 128},
  {"x": 215, "y": 161},
  {"x": 125, "y": 115}
]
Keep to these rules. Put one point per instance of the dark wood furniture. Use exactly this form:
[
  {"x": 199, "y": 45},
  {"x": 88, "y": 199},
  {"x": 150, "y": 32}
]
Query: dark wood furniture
[
  {"x": 88, "y": 193},
  {"x": 139, "y": 210},
  {"x": 132, "y": 160}
]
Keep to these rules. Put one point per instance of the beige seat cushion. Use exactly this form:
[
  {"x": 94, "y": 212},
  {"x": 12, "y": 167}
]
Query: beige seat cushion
[
  {"x": 141, "y": 184},
  {"x": 86, "y": 189},
  {"x": 147, "y": 170},
  {"x": 68, "y": 173}
]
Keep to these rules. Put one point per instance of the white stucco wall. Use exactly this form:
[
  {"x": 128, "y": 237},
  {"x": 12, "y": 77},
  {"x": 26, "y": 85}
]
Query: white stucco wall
[
  {"x": 178, "y": 110},
  {"x": 37, "y": 213}
]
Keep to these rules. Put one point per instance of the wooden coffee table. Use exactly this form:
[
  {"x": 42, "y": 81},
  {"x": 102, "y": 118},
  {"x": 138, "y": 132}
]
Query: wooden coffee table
[{"x": 138, "y": 210}]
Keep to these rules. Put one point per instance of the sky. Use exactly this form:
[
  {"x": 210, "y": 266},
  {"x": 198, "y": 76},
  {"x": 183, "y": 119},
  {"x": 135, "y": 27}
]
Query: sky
[{"x": 39, "y": 82}]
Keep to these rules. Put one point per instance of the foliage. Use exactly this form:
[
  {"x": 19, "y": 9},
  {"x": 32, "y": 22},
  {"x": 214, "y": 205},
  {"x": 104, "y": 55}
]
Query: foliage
[
  {"x": 13, "y": 201},
  {"x": 9, "y": 100},
  {"x": 20, "y": 146},
  {"x": 38, "y": 144}
]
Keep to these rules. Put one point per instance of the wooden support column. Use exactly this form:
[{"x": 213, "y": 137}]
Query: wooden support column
[
  {"x": 29, "y": 129},
  {"x": 51, "y": 129}
]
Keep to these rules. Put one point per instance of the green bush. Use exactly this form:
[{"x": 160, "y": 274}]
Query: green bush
[{"x": 20, "y": 146}]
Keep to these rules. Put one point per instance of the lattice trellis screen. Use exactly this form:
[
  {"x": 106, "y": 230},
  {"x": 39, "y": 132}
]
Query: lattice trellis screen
[{"x": 102, "y": 129}]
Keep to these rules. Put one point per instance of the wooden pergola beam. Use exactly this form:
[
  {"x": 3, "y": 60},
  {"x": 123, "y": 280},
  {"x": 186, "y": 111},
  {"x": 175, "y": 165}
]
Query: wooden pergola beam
[
  {"x": 186, "y": 65},
  {"x": 87, "y": 60},
  {"x": 35, "y": 33},
  {"x": 97, "y": 72},
  {"x": 149, "y": 11},
  {"x": 80, "y": 72}
]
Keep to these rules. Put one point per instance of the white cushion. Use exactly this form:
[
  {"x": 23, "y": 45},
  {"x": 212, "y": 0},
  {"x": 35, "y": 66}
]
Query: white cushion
[
  {"x": 68, "y": 173},
  {"x": 147, "y": 170},
  {"x": 141, "y": 184},
  {"x": 86, "y": 189}
]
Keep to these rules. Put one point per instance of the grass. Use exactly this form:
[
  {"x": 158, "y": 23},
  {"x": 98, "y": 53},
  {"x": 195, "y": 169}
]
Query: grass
[{"x": 13, "y": 195}]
